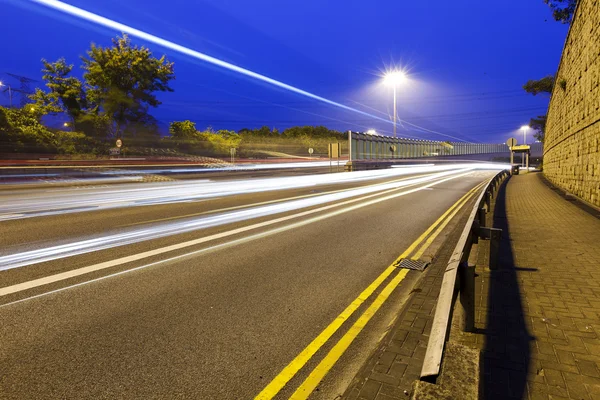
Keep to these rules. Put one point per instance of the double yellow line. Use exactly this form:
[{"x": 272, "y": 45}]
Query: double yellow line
[{"x": 315, "y": 377}]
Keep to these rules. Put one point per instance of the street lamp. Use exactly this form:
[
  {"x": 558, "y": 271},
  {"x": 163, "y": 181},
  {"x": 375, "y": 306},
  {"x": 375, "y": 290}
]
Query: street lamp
[
  {"x": 394, "y": 78},
  {"x": 524, "y": 128},
  {"x": 9, "y": 92},
  {"x": 371, "y": 132}
]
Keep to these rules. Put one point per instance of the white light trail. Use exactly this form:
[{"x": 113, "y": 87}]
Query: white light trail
[
  {"x": 71, "y": 201},
  {"x": 95, "y": 18},
  {"x": 149, "y": 232},
  {"x": 111, "y": 24}
]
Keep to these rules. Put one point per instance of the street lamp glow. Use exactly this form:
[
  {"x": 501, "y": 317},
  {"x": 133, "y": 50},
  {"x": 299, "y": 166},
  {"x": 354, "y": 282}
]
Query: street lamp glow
[
  {"x": 371, "y": 132},
  {"x": 394, "y": 78},
  {"x": 525, "y": 127}
]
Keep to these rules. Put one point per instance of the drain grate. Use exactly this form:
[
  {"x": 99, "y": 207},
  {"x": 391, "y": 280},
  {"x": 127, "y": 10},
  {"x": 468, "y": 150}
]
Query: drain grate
[{"x": 417, "y": 265}]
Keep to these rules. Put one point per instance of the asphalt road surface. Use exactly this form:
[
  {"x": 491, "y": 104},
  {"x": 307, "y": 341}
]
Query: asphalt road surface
[{"x": 203, "y": 289}]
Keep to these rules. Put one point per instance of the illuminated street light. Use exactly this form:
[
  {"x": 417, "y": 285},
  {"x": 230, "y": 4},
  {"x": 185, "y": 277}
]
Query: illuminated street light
[
  {"x": 66, "y": 124},
  {"x": 371, "y": 132},
  {"x": 393, "y": 79}
]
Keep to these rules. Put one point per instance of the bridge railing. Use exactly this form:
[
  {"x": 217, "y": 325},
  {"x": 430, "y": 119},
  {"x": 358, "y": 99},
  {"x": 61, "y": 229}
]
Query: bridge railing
[{"x": 458, "y": 284}]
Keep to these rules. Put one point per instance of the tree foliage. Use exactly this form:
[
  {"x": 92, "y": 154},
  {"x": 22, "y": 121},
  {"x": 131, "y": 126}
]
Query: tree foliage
[
  {"x": 544, "y": 85},
  {"x": 562, "y": 10},
  {"x": 539, "y": 126},
  {"x": 122, "y": 80},
  {"x": 66, "y": 93},
  {"x": 21, "y": 131}
]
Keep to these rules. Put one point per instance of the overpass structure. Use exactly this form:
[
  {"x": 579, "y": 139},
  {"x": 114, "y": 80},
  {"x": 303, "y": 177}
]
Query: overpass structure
[{"x": 372, "y": 147}]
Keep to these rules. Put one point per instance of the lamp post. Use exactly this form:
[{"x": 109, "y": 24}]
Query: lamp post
[
  {"x": 393, "y": 79},
  {"x": 9, "y": 93},
  {"x": 524, "y": 128}
]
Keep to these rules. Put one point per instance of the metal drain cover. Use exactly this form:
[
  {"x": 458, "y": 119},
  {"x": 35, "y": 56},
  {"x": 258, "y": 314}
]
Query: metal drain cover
[{"x": 417, "y": 265}]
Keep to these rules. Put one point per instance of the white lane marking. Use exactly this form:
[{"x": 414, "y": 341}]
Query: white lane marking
[{"x": 120, "y": 261}]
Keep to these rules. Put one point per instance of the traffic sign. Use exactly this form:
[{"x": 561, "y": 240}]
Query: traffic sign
[
  {"x": 511, "y": 142},
  {"x": 119, "y": 143},
  {"x": 310, "y": 150},
  {"x": 521, "y": 147},
  {"x": 115, "y": 151}
]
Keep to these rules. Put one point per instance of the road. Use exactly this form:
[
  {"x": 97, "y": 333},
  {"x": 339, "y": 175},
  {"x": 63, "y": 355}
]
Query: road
[{"x": 227, "y": 289}]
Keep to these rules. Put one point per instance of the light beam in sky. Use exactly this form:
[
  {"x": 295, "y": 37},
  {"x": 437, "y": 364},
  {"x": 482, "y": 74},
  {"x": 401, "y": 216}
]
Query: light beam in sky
[{"x": 95, "y": 18}]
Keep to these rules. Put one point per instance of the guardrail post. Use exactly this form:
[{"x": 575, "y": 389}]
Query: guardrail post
[
  {"x": 481, "y": 216},
  {"x": 488, "y": 200},
  {"x": 495, "y": 236},
  {"x": 467, "y": 296}
]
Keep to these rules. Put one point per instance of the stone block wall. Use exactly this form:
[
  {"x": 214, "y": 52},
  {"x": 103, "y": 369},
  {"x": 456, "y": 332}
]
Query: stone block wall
[{"x": 572, "y": 142}]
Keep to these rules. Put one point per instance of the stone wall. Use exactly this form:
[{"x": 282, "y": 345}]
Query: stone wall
[{"x": 572, "y": 143}]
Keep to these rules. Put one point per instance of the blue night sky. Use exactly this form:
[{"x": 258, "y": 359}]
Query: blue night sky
[{"x": 467, "y": 59}]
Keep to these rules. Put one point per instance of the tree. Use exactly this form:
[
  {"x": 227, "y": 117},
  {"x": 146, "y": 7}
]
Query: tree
[
  {"x": 539, "y": 126},
  {"x": 66, "y": 92},
  {"x": 21, "y": 131},
  {"x": 544, "y": 85},
  {"x": 183, "y": 130},
  {"x": 122, "y": 81},
  {"x": 562, "y": 10}
]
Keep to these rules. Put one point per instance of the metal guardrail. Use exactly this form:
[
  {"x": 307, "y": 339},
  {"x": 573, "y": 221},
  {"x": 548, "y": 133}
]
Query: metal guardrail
[{"x": 459, "y": 279}]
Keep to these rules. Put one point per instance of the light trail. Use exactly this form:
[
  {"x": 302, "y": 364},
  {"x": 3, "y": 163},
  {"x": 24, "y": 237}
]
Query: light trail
[
  {"x": 88, "y": 199},
  {"x": 155, "y": 231},
  {"x": 106, "y": 22}
]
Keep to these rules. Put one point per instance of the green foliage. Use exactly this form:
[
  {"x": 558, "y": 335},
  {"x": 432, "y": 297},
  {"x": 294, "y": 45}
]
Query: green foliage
[
  {"x": 66, "y": 93},
  {"x": 539, "y": 126},
  {"x": 562, "y": 84},
  {"x": 73, "y": 143},
  {"x": 21, "y": 131},
  {"x": 188, "y": 139},
  {"x": 562, "y": 10},
  {"x": 183, "y": 130},
  {"x": 544, "y": 85},
  {"x": 122, "y": 79}
]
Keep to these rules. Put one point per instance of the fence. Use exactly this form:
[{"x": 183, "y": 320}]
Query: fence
[{"x": 364, "y": 146}]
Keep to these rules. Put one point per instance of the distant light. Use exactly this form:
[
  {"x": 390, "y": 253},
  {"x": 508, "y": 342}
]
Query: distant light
[
  {"x": 66, "y": 124},
  {"x": 525, "y": 127},
  {"x": 371, "y": 132},
  {"x": 1, "y": 84},
  {"x": 394, "y": 78}
]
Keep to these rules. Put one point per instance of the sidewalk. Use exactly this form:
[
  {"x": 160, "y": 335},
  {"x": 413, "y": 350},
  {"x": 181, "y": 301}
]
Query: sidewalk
[{"x": 538, "y": 315}]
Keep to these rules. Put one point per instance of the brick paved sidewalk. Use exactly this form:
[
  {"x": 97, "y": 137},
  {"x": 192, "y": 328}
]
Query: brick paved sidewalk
[{"x": 538, "y": 315}]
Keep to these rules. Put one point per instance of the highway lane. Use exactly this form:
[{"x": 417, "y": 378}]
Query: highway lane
[{"x": 220, "y": 323}]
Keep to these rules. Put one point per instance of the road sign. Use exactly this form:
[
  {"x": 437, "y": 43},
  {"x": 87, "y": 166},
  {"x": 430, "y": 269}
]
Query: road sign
[
  {"x": 310, "y": 150},
  {"x": 334, "y": 150},
  {"x": 119, "y": 143},
  {"x": 521, "y": 147},
  {"x": 115, "y": 151},
  {"x": 511, "y": 142},
  {"x": 393, "y": 148}
]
